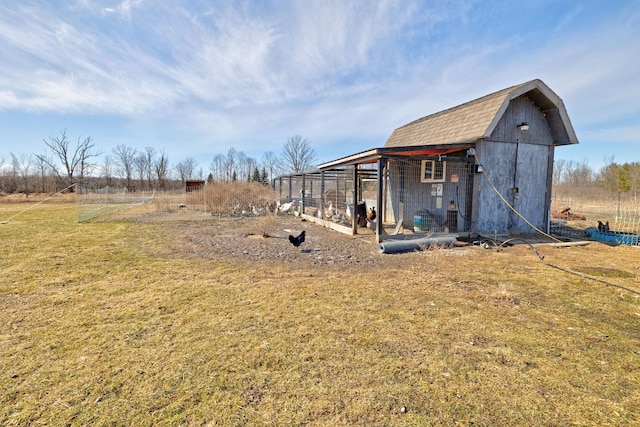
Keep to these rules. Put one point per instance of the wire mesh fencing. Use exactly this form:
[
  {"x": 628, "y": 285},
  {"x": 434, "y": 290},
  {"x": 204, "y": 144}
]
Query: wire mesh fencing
[
  {"x": 572, "y": 215},
  {"x": 228, "y": 199},
  {"x": 417, "y": 195}
]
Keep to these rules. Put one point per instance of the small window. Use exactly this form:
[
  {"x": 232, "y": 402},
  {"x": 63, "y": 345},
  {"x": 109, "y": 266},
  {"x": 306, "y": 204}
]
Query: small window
[{"x": 433, "y": 171}]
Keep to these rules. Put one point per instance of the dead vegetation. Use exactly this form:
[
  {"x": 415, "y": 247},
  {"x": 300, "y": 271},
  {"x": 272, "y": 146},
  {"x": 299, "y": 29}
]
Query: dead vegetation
[{"x": 143, "y": 323}]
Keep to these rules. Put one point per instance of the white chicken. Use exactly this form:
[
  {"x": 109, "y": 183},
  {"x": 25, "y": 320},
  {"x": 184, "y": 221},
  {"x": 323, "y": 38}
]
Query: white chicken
[
  {"x": 330, "y": 211},
  {"x": 286, "y": 207}
]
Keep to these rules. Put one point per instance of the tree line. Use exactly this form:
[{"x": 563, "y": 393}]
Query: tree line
[
  {"x": 65, "y": 163},
  {"x": 613, "y": 178}
]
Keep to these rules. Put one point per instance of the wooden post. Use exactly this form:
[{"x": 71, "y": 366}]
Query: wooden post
[
  {"x": 304, "y": 182},
  {"x": 322, "y": 201},
  {"x": 354, "y": 222},
  {"x": 379, "y": 196}
]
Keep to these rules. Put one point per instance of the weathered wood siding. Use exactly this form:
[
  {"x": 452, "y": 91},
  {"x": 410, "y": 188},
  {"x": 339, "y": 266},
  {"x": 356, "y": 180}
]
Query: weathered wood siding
[{"x": 518, "y": 163}]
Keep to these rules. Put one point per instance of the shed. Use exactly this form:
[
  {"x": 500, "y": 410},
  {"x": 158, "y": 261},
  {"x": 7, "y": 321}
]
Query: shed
[
  {"x": 194, "y": 185},
  {"x": 485, "y": 165}
]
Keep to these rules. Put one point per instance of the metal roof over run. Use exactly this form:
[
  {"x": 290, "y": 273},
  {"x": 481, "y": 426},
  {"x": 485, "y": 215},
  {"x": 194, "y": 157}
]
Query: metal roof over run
[{"x": 371, "y": 156}]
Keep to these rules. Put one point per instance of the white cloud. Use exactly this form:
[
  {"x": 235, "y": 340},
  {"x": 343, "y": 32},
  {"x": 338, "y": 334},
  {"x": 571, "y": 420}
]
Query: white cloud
[{"x": 251, "y": 72}]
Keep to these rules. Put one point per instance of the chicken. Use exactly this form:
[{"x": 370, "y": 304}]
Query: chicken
[
  {"x": 286, "y": 207},
  {"x": 297, "y": 241},
  {"x": 258, "y": 211},
  {"x": 371, "y": 215},
  {"x": 330, "y": 211}
]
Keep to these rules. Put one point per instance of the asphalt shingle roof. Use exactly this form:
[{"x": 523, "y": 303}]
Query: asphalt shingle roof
[{"x": 475, "y": 119}]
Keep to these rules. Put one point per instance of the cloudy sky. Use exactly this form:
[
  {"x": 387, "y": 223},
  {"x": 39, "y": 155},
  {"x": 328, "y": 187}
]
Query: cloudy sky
[{"x": 195, "y": 78}]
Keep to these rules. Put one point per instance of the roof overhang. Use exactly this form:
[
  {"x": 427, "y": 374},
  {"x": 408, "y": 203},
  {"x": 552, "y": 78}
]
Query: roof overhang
[
  {"x": 549, "y": 103},
  {"x": 372, "y": 156}
]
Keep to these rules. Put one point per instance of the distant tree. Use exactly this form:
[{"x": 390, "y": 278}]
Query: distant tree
[
  {"x": 270, "y": 160},
  {"x": 608, "y": 176},
  {"x": 2, "y": 173},
  {"x": 43, "y": 169},
  {"x": 21, "y": 165},
  {"x": 107, "y": 169},
  {"x": 297, "y": 154},
  {"x": 147, "y": 159},
  {"x": 186, "y": 169},
  {"x": 234, "y": 176},
  {"x": 217, "y": 167},
  {"x": 558, "y": 170},
  {"x": 161, "y": 168},
  {"x": 229, "y": 165},
  {"x": 73, "y": 163},
  {"x": 634, "y": 179},
  {"x": 256, "y": 174},
  {"x": 210, "y": 178},
  {"x": 125, "y": 157},
  {"x": 579, "y": 174},
  {"x": 264, "y": 178}
]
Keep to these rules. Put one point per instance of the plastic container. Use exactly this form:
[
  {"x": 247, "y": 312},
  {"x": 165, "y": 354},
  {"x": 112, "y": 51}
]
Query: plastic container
[{"x": 422, "y": 221}]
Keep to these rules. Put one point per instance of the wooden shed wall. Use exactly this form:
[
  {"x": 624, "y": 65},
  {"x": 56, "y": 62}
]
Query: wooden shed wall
[{"x": 520, "y": 164}]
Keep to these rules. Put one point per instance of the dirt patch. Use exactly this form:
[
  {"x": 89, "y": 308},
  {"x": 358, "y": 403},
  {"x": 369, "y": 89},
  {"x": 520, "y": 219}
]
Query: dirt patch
[{"x": 241, "y": 239}]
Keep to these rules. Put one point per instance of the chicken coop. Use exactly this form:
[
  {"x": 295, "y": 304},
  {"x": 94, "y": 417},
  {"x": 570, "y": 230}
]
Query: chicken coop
[{"x": 484, "y": 166}]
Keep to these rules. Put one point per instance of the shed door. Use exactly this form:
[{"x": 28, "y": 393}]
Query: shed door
[{"x": 528, "y": 195}]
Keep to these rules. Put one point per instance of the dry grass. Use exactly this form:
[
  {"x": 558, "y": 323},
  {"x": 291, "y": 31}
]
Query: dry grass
[
  {"x": 102, "y": 324},
  {"x": 266, "y": 225},
  {"x": 231, "y": 198}
]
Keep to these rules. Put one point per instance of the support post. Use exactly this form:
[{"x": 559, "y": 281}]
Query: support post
[
  {"x": 322, "y": 201},
  {"x": 354, "y": 222},
  {"x": 304, "y": 183},
  {"x": 379, "y": 197}
]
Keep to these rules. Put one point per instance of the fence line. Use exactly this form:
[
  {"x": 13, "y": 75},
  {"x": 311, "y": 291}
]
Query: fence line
[
  {"x": 218, "y": 199},
  {"x": 622, "y": 215}
]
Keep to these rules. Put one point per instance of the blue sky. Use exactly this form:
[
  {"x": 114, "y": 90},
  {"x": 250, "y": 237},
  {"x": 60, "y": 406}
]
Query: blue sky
[{"x": 199, "y": 77}]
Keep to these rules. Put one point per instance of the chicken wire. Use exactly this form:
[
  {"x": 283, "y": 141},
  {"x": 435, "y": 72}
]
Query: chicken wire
[
  {"x": 99, "y": 201},
  {"x": 227, "y": 199},
  {"x": 571, "y": 216},
  {"x": 410, "y": 202}
]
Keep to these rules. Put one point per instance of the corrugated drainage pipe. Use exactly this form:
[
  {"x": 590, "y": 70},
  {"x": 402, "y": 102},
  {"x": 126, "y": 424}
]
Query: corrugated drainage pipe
[{"x": 398, "y": 246}]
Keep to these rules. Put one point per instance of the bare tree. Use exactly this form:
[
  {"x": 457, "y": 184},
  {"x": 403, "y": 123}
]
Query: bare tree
[
  {"x": 297, "y": 154},
  {"x": 125, "y": 157},
  {"x": 217, "y": 167},
  {"x": 558, "y": 170},
  {"x": 2, "y": 172},
  {"x": 186, "y": 169},
  {"x": 140, "y": 168},
  {"x": 161, "y": 168},
  {"x": 230, "y": 163},
  {"x": 270, "y": 161},
  {"x": 21, "y": 165},
  {"x": 578, "y": 174},
  {"x": 43, "y": 170},
  {"x": 149, "y": 159},
  {"x": 73, "y": 162},
  {"x": 107, "y": 169}
]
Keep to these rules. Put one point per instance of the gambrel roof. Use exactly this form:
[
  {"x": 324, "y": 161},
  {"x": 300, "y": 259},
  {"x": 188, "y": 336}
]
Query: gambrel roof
[{"x": 476, "y": 120}]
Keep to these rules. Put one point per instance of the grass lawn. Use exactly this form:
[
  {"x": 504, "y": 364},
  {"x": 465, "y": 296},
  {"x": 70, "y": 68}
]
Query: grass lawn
[{"x": 105, "y": 324}]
